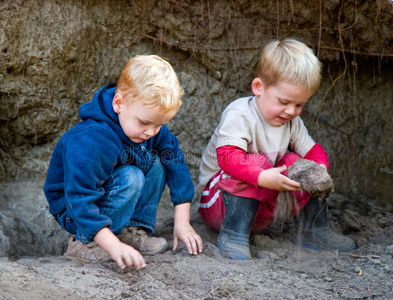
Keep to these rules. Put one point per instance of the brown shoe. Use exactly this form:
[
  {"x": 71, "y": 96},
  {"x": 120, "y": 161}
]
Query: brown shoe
[
  {"x": 138, "y": 238},
  {"x": 86, "y": 252}
]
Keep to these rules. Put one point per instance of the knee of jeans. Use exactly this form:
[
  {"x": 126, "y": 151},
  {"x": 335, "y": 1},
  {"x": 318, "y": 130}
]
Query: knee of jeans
[{"x": 132, "y": 177}]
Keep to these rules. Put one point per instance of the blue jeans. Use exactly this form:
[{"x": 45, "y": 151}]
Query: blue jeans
[{"x": 131, "y": 199}]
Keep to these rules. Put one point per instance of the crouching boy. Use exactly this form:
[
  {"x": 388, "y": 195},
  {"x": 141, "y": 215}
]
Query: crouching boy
[
  {"x": 108, "y": 172},
  {"x": 244, "y": 167}
]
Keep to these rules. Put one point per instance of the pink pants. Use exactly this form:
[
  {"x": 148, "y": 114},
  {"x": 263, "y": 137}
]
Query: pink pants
[{"x": 212, "y": 209}]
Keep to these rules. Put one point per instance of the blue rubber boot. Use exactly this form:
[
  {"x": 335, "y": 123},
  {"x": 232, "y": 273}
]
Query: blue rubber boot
[
  {"x": 233, "y": 240},
  {"x": 313, "y": 230}
]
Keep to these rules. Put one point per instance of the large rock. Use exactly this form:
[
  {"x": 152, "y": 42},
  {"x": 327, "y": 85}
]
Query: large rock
[
  {"x": 26, "y": 227},
  {"x": 312, "y": 178}
]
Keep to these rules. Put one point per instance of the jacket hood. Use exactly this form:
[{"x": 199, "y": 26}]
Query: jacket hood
[{"x": 100, "y": 109}]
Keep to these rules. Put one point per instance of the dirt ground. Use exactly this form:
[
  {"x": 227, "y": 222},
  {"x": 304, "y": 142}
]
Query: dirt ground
[{"x": 278, "y": 269}]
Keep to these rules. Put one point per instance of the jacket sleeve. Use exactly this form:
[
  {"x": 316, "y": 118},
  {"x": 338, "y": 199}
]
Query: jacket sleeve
[
  {"x": 178, "y": 175},
  {"x": 89, "y": 159},
  {"x": 235, "y": 162}
]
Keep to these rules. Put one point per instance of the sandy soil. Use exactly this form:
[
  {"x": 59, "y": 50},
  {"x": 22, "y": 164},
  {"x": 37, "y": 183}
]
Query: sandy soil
[{"x": 278, "y": 269}]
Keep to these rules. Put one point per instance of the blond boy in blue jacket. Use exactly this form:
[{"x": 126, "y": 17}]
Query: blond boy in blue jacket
[{"x": 108, "y": 172}]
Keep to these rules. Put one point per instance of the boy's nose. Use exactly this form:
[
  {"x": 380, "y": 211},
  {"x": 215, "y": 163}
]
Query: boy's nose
[
  {"x": 290, "y": 110},
  {"x": 150, "y": 132}
]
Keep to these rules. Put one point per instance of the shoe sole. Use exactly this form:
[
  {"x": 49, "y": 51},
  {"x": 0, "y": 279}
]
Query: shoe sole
[
  {"x": 158, "y": 251},
  {"x": 312, "y": 247},
  {"x": 84, "y": 260},
  {"x": 234, "y": 256}
]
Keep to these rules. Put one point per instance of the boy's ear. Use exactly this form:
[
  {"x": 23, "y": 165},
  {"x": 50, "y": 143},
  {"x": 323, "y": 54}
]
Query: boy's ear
[
  {"x": 257, "y": 86},
  {"x": 117, "y": 103}
]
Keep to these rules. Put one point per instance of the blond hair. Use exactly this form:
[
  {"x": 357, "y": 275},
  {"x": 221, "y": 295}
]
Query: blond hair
[
  {"x": 290, "y": 61},
  {"x": 151, "y": 79}
]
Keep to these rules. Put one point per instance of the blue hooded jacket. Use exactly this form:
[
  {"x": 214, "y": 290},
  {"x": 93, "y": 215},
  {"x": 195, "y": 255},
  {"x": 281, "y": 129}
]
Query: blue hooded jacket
[{"x": 86, "y": 155}]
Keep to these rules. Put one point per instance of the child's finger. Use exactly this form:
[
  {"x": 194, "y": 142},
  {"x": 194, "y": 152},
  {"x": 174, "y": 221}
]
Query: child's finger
[
  {"x": 191, "y": 246},
  {"x": 196, "y": 243},
  {"x": 199, "y": 243},
  {"x": 291, "y": 185},
  {"x": 138, "y": 261},
  {"x": 120, "y": 262},
  {"x": 291, "y": 182},
  {"x": 295, "y": 184},
  {"x": 175, "y": 243},
  {"x": 128, "y": 261}
]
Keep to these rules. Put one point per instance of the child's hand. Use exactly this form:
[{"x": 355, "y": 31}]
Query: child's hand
[
  {"x": 123, "y": 254},
  {"x": 185, "y": 232},
  {"x": 273, "y": 179},
  {"x": 126, "y": 256}
]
